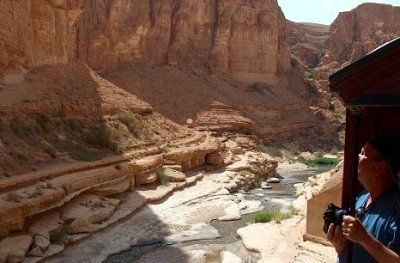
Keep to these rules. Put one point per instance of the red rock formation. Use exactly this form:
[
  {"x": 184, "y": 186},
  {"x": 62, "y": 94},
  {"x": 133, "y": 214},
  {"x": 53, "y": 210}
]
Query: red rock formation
[
  {"x": 351, "y": 36},
  {"x": 240, "y": 38},
  {"x": 356, "y": 33},
  {"x": 307, "y": 41}
]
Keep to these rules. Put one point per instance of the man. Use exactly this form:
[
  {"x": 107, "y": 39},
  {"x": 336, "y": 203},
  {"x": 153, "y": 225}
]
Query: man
[{"x": 376, "y": 230}]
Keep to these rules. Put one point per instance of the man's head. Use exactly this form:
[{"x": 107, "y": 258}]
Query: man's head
[{"x": 378, "y": 162}]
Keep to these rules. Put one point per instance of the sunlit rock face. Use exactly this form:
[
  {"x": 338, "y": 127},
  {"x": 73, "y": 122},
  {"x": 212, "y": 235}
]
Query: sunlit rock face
[
  {"x": 245, "y": 39},
  {"x": 322, "y": 50},
  {"x": 356, "y": 33}
]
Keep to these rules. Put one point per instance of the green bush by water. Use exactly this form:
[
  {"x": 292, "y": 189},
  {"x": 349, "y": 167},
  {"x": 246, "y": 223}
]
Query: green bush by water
[
  {"x": 319, "y": 161},
  {"x": 276, "y": 215}
]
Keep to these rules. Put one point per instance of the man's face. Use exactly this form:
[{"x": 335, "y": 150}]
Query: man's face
[{"x": 368, "y": 161}]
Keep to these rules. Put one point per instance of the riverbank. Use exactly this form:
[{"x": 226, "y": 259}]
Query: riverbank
[{"x": 206, "y": 223}]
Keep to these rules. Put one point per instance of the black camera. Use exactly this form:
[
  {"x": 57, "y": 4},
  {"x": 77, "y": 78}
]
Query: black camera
[{"x": 334, "y": 215}]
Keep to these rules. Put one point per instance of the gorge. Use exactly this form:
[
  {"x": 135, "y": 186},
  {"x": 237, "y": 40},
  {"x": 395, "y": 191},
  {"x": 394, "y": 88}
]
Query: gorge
[{"x": 103, "y": 102}]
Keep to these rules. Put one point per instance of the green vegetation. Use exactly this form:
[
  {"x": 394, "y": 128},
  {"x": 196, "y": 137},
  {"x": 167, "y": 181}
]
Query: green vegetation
[
  {"x": 43, "y": 123},
  {"x": 73, "y": 124},
  {"x": 128, "y": 118},
  {"x": 257, "y": 181},
  {"x": 331, "y": 106},
  {"x": 292, "y": 148},
  {"x": 78, "y": 152},
  {"x": 20, "y": 157},
  {"x": 269, "y": 150},
  {"x": 18, "y": 128},
  {"x": 293, "y": 210},
  {"x": 319, "y": 161},
  {"x": 269, "y": 215},
  {"x": 58, "y": 235},
  {"x": 162, "y": 177},
  {"x": 98, "y": 136}
]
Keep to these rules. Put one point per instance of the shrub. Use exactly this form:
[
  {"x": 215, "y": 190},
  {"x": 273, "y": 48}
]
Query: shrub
[
  {"x": 43, "y": 122},
  {"x": 74, "y": 124},
  {"x": 162, "y": 177},
  {"x": 78, "y": 152},
  {"x": 263, "y": 217},
  {"x": 293, "y": 210},
  {"x": 319, "y": 161},
  {"x": 18, "y": 128},
  {"x": 257, "y": 181},
  {"x": 98, "y": 136},
  {"x": 119, "y": 138},
  {"x": 58, "y": 235},
  {"x": 292, "y": 148},
  {"x": 128, "y": 118},
  {"x": 331, "y": 106},
  {"x": 269, "y": 215},
  {"x": 20, "y": 157},
  {"x": 269, "y": 150}
]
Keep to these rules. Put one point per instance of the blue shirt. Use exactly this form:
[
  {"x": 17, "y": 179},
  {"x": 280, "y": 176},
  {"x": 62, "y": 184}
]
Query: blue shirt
[{"x": 382, "y": 220}]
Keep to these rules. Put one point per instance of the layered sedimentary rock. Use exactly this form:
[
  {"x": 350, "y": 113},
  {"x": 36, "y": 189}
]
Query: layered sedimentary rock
[
  {"x": 223, "y": 118},
  {"x": 243, "y": 38},
  {"x": 307, "y": 41},
  {"x": 321, "y": 52},
  {"x": 356, "y": 33}
]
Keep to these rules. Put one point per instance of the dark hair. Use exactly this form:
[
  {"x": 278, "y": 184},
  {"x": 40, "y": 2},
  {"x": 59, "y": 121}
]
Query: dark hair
[{"x": 389, "y": 150}]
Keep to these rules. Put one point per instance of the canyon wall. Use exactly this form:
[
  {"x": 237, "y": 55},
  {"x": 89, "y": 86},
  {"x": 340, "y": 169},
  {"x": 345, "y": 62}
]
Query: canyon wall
[
  {"x": 320, "y": 51},
  {"x": 356, "y": 33},
  {"x": 240, "y": 38}
]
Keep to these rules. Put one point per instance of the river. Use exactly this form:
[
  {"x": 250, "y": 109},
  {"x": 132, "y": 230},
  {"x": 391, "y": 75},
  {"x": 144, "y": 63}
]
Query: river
[{"x": 279, "y": 196}]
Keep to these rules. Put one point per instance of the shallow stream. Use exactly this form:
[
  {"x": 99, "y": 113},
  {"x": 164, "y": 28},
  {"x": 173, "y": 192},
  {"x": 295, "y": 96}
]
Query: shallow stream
[{"x": 283, "y": 192}]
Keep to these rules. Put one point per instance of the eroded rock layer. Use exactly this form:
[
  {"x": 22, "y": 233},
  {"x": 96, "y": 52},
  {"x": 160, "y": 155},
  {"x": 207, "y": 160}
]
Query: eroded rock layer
[
  {"x": 241, "y": 38},
  {"x": 356, "y": 33}
]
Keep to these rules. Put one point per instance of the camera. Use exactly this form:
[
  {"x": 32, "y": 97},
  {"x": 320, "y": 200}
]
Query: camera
[{"x": 334, "y": 215}]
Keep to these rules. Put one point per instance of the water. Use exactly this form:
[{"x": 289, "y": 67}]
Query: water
[{"x": 270, "y": 198}]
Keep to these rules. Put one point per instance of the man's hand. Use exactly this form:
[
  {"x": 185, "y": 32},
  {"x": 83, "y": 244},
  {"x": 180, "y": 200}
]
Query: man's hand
[
  {"x": 353, "y": 230},
  {"x": 335, "y": 236}
]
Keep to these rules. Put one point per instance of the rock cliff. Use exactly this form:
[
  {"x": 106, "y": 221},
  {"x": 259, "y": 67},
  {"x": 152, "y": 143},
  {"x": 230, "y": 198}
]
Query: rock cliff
[
  {"x": 245, "y": 39},
  {"x": 320, "y": 51},
  {"x": 307, "y": 41},
  {"x": 356, "y": 33}
]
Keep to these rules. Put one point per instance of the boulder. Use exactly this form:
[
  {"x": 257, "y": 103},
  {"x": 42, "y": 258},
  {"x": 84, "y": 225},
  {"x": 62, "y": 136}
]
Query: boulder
[
  {"x": 174, "y": 176},
  {"x": 80, "y": 225},
  {"x": 273, "y": 180},
  {"x": 147, "y": 178},
  {"x": 41, "y": 241},
  {"x": 176, "y": 167},
  {"x": 214, "y": 158},
  {"x": 232, "y": 187},
  {"x": 35, "y": 252},
  {"x": 228, "y": 257},
  {"x": 89, "y": 207},
  {"x": 232, "y": 212},
  {"x": 46, "y": 224},
  {"x": 265, "y": 185},
  {"x": 14, "y": 249}
]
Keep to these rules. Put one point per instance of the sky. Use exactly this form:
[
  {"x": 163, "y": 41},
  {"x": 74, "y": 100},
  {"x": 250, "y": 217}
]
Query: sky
[{"x": 321, "y": 11}]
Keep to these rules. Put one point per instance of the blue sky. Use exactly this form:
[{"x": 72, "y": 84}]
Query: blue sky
[{"x": 321, "y": 11}]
